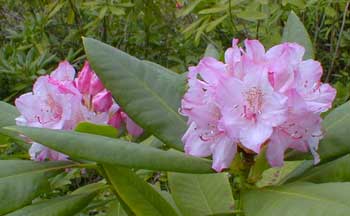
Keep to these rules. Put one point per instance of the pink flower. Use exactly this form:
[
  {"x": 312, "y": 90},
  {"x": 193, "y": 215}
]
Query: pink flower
[
  {"x": 250, "y": 108},
  {"x": 255, "y": 98},
  {"x": 59, "y": 101}
]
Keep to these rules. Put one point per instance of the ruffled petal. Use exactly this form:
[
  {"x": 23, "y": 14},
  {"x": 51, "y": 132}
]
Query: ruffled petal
[{"x": 224, "y": 150}]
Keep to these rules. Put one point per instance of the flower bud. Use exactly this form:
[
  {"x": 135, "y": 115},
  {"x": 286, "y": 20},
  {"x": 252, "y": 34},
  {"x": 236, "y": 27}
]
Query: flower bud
[
  {"x": 102, "y": 101},
  {"x": 84, "y": 78}
]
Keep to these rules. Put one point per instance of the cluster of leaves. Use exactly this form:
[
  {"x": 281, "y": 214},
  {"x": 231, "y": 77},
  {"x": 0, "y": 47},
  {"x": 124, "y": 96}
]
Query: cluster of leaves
[{"x": 154, "y": 177}]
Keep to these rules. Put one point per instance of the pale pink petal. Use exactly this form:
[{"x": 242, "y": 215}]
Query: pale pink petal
[
  {"x": 224, "y": 150},
  {"x": 321, "y": 99},
  {"x": 254, "y": 50},
  {"x": 274, "y": 111},
  {"x": 291, "y": 52},
  {"x": 309, "y": 74},
  {"x": 64, "y": 72},
  {"x": 253, "y": 136},
  {"x": 229, "y": 92},
  {"x": 194, "y": 144},
  {"x": 210, "y": 69},
  {"x": 233, "y": 54},
  {"x": 132, "y": 128},
  {"x": 276, "y": 147}
]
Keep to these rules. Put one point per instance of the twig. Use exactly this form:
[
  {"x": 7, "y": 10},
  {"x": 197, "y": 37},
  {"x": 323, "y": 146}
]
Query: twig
[
  {"x": 231, "y": 17},
  {"x": 318, "y": 29},
  {"x": 338, "y": 42}
]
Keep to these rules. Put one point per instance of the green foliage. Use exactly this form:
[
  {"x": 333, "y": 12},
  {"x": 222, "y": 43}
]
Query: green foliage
[
  {"x": 202, "y": 194},
  {"x": 298, "y": 199},
  {"x": 136, "y": 84},
  {"x": 22, "y": 181},
  {"x": 109, "y": 175},
  {"x": 114, "y": 151},
  {"x": 139, "y": 196},
  {"x": 295, "y": 31}
]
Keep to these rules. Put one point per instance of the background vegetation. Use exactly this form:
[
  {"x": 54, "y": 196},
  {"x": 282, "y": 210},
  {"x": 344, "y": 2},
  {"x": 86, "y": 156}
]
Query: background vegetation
[{"x": 35, "y": 35}]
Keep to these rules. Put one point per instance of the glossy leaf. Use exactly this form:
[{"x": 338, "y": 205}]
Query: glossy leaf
[
  {"x": 21, "y": 181},
  {"x": 211, "y": 51},
  {"x": 201, "y": 194},
  {"x": 333, "y": 171},
  {"x": 8, "y": 114},
  {"x": 302, "y": 199},
  {"x": 279, "y": 175},
  {"x": 116, "y": 209},
  {"x": 102, "y": 130},
  {"x": 114, "y": 151},
  {"x": 61, "y": 206},
  {"x": 294, "y": 31},
  {"x": 137, "y": 194},
  {"x": 146, "y": 91}
]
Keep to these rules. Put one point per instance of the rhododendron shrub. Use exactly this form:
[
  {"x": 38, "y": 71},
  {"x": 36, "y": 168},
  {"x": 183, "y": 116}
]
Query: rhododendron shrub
[
  {"x": 255, "y": 98},
  {"x": 251, "y": 133},
  {"x": 61, "y": 101}
]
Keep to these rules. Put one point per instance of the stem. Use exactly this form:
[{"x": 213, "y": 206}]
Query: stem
[
  {"x": 231, "y": 17},
  {"x": 338, "y": 42}
]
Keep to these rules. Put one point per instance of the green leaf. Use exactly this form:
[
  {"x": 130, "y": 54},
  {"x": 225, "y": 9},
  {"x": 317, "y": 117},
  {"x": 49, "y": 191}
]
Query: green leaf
[
  {"x": 336, "y": 139},
  {"x": 102, "y": 130},
  {"x": 61, "y": 206},
  {"x": 137, "y": 194},
  {"x": 201, "y": 194},
  {"x": 211, "y": 51},
  {"x": 114, "y": 151},
  {"x": 8, "y": 114},
  {"x": 212, "y": 10},
  {"x": 302, "y": 199},
  {"x": 193, "y": 25},
  {"x": 334, "y": 171},
  {"x": 251, "y": 15},
  {"x": 211, "y": 26},
  {"x": 188, "y": 9},
  {"x": 21, "y": 181},
  {"x": 117, "y": 11},
  {"x": 116, "y": 209},
  {"x": 294, "y": 31},
  {"x": 146, "y": 91},
  {"x": 279, "y": 175}
]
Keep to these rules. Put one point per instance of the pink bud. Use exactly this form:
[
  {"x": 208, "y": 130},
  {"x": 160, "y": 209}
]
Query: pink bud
[
  {"x": 116, "y": 120},
  {"x": 102, "y": 101},
  {"x": 96, "y": 85},
  {"x": 133, "y": 129},
  {"x": 84, "y": 78}
]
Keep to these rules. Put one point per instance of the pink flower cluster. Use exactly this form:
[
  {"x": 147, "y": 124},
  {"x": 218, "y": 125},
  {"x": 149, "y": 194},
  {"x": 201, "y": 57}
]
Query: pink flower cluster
[
  {"x": 255, "y": 98},
  {"x": 60, "y": 101}
]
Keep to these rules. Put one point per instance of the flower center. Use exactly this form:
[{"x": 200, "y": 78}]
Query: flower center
[{"x": 254, "y": 101}]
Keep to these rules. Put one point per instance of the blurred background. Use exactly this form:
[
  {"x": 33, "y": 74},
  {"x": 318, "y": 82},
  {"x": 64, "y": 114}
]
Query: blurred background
[{"x": 36, "y": 34}]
